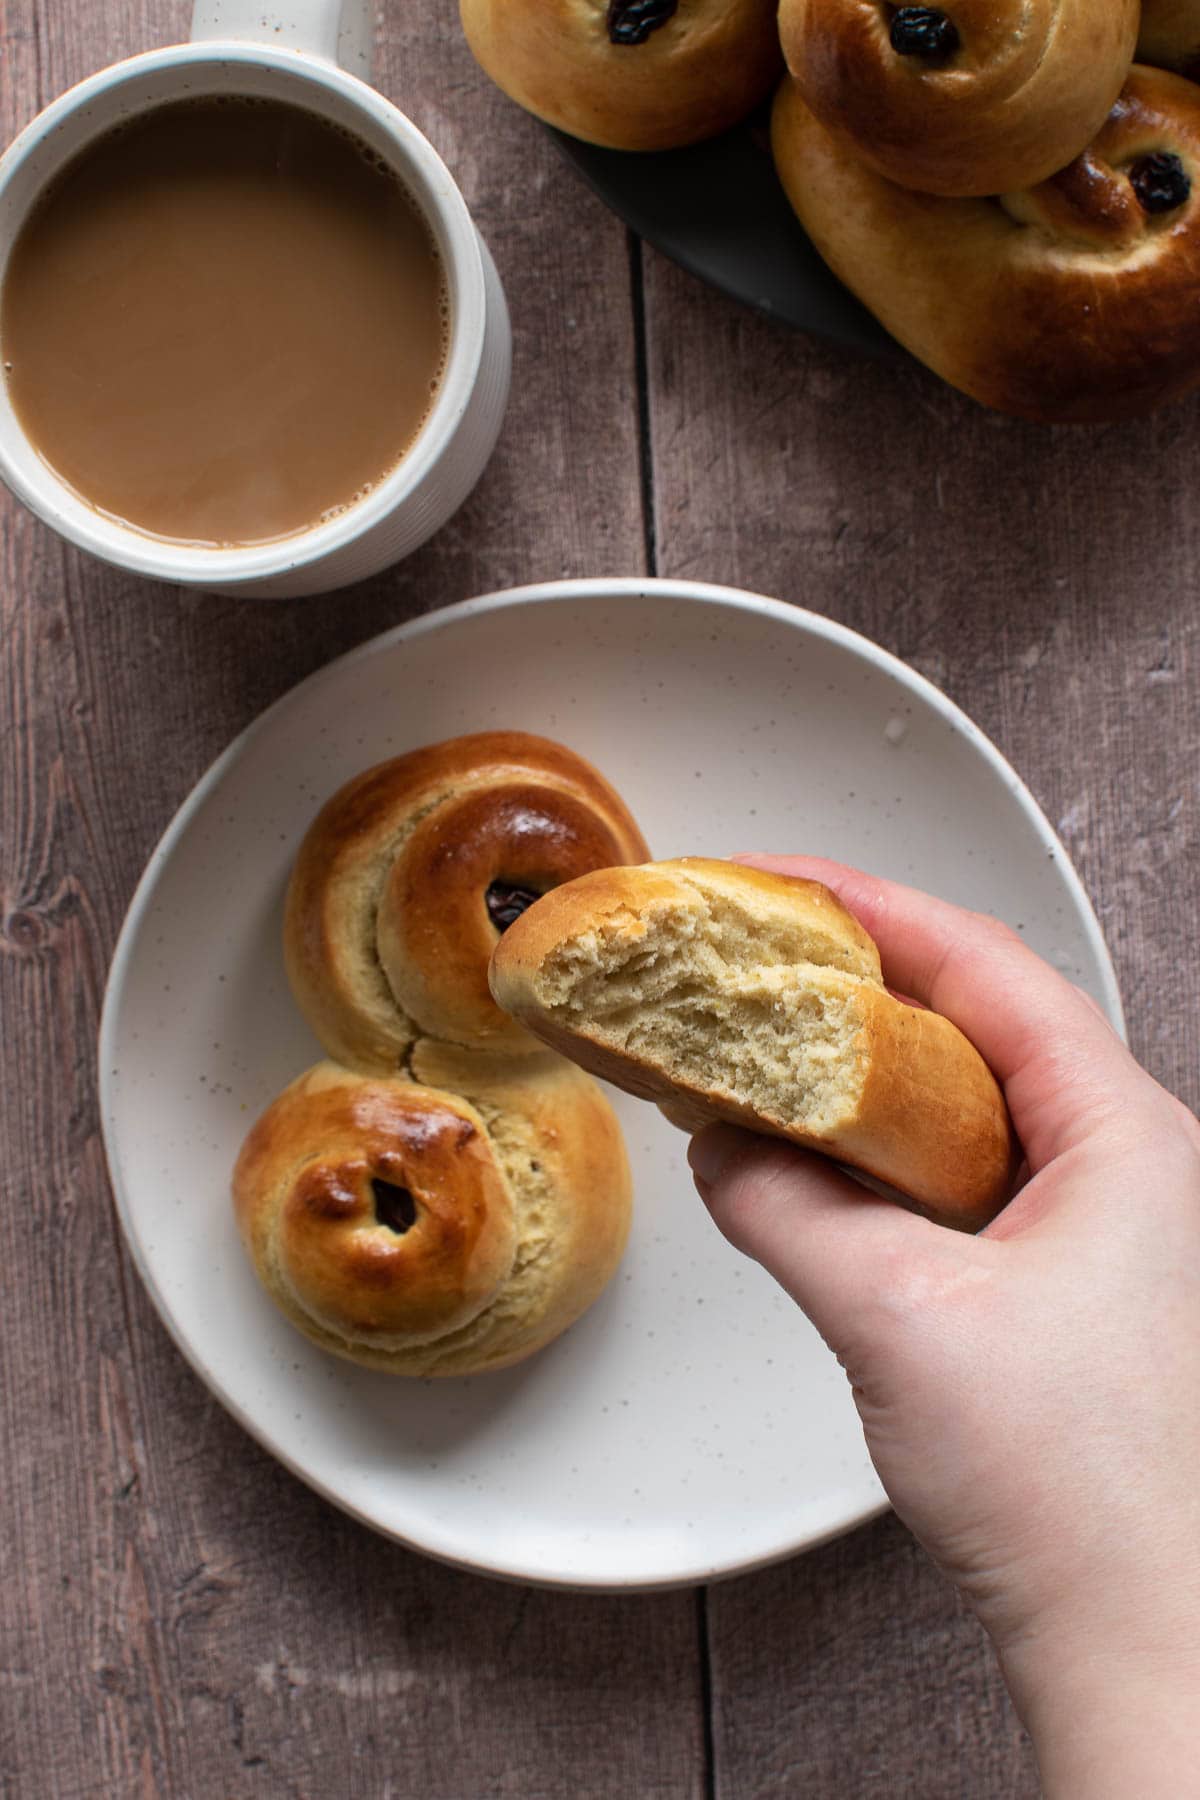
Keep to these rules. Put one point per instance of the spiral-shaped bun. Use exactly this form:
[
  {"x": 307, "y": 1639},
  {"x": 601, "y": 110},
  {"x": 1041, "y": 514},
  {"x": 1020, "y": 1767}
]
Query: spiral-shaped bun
[
  {"x": 1170, "y": 36},
  {"x": 975, "y": 97},
  {"x": 409, "y": 873},
  {"x": 1073, "y": 301},
  {"x": 445, "y": 1196},
  {"x": 416, "y": 1230},
  {"x": 631, "y": 74}
]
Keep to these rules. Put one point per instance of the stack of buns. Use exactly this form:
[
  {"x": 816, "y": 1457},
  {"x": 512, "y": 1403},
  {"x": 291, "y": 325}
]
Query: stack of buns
[
  {"x": 442, "y": 1195},
  {"x": 999, "y": 181},
  {"x": 1014, "y": 199}
]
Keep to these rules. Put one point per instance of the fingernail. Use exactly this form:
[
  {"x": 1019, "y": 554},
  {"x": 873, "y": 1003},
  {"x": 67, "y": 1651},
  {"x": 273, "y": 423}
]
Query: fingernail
[{"x": 711, "y": 1149}]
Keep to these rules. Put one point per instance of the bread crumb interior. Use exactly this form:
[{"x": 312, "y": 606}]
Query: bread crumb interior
[{"x": 720, "y": 1002}]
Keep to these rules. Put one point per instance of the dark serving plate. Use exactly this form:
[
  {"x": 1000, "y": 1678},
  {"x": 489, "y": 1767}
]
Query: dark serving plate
[{"x": 718, "y": 210}]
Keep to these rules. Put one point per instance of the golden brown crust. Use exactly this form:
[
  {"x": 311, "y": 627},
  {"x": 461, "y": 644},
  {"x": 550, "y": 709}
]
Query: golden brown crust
[
  {"x": 1026, "y": 86},
  {"x": 386, "y": 932},
  {"x": 520, "y": 1209},
  {"x": 930, "y": 1119},
  {"x": 1069, "y": 302},
  {"x": 305, "y": 1197},
  {"x": 423, "y": 1205},
  {"x": 699, "y": 71}
]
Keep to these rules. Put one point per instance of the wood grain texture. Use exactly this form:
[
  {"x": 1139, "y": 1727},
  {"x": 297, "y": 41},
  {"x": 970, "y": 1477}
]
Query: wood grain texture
[
  {"x": 1046, "y": 581},
  {"x": 854, "y": 1671},
  {"x": 179, "y": 1617}
]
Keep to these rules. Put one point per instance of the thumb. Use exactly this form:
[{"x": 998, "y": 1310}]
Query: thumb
[{"x": 850, "y": 1259}]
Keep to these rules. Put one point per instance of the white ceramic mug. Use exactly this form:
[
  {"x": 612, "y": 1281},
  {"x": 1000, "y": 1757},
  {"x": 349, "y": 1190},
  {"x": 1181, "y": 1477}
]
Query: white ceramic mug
[{"x": 311, "y": 53}]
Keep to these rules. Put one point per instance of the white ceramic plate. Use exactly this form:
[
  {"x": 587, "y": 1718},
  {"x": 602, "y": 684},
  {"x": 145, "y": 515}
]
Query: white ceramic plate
[{"x": 692, "y": 1425}]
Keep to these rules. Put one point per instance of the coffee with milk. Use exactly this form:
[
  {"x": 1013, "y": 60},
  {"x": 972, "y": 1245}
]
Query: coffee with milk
[{"x": 224, "y": 322}]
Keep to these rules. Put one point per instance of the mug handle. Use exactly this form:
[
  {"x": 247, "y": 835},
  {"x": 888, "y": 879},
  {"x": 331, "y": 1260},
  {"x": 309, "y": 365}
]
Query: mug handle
[{"x": 339, "y": 31}]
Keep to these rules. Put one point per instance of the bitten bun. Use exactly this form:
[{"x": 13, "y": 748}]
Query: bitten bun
[
  {"x": 722, "y": 992},
  {"x": 387, "y": 927},
  {"x": 974, "y": 98},
  {"x": 413, "y": 1229},
  {"x": 632, "y": 74},
  {"x": 1071, "y": 302}
]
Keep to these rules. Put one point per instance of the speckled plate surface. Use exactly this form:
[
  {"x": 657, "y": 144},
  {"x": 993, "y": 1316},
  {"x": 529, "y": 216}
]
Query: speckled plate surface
[{"x": 692, "y": 1425}]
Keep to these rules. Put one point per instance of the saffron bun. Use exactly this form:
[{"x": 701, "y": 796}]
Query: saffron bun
[
  {"x": 629, "y": 74},
  {"x": 439, "y": 1228},
  {"x": 723, "y": 992},
  {"x": 1070, "y": 302},
  {"x": 442, "y": 1195},
  {"x": 976, "y": 97},
  {"x": 402, "y": 881}
]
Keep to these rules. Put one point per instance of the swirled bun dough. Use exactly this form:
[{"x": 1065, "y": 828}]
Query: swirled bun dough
[
  {"x": 445, "y": 1196},
  {"x": 630, "y": 74},
  {"x": 975, "y": 97},
  {"x": 725, "y": 993},
  {"x": 410, "y": 872},
  {"x": 436, "y": 1229},
  {"x": 1074, "y": 301},
  {"x": 1170, "y": 36}
]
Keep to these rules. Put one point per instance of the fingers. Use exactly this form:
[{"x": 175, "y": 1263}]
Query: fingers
[
  {"x": 835, "y": 1247},
  {"x": 1064, "y": 1070},
  {"x": 963, "y": 964}
]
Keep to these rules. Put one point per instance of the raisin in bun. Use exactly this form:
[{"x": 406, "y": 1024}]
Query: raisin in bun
[
  {"x": 630, "y": 74},
  {"x": 409, "y": 873},
  {"x": 436, "y": 1229},
  {"x": 1074, "y": 301},
  {"x": 1170, "y": 36},
  {"x": 722, "y": 992},
  {"x": 974, "y": 97}
]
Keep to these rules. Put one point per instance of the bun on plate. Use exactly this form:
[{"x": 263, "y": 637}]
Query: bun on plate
[
  {"x": 441, "y": 1226},
  {"x": 409, "y": 873},
  {"x": 444, "y": 1196}
]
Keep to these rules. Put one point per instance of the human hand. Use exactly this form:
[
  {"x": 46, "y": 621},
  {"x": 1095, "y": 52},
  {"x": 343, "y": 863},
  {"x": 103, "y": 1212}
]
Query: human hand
[{"x": 1030, "y": 1396}]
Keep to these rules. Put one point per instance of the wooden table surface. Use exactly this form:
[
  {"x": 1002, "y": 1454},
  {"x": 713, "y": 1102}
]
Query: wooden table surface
[{"x": 180, "y": 1616}]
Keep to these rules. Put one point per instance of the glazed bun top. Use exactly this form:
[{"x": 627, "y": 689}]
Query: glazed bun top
[
  {"x": 377, "y": 1208},
  {"x": 440, "y": 1225},
  {"x": 974, "y": 97}
]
